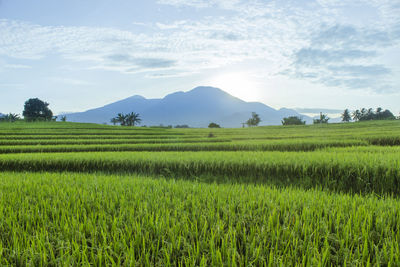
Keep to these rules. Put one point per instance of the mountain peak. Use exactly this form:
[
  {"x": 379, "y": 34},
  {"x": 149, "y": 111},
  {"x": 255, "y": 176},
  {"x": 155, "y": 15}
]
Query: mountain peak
[
  {"x": 137, "y": 97},
  {"x": 197, "y": 107},
  {"x": 207, "y": 90}
]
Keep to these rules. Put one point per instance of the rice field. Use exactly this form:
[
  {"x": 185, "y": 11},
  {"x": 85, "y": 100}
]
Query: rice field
[{"x": 84, "y": 194}]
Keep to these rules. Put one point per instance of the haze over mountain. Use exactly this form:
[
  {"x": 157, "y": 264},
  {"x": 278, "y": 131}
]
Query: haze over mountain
[{"x": 196, "y": 108}]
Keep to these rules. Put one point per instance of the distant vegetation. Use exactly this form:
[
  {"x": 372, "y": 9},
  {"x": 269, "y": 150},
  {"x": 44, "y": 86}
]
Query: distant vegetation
[
  {"x": 346, "y": 116},
  {"x": 130, "y": 119},
  {"x": 254, "y": 120},
  {"x": 11, "y": 117},
  {"x": 369, "y": 114},
  {"x": 323, "y": 118},
  {"x": 37, "y": 110},
  {"x": 293, "y": 120},
  {"x": 214, "y": 125},
  {"x": 182, "y": 126}
]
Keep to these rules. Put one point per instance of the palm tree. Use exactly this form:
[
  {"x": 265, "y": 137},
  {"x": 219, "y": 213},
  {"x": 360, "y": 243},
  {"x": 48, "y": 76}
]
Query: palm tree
[
  {"x": 122, "y": 119},
  {"x": 356, "y": 115},
  {"x": 378, "y": 113},
  {"x": 11, "y": 117},
  {"x": 346, "y": 115},
  {"x": 133, "y": 118},
  {"x": 323, "y": 118},
  {"x": 114, "y": 121},
  {"x": 370, "y": 114}
]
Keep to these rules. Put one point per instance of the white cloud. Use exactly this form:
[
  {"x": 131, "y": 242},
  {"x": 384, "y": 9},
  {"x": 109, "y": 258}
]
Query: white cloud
[
  {"x": 17, "y": 66},
  {"x": 69, "y": 81},
  {"x": 300, "y": 39}
]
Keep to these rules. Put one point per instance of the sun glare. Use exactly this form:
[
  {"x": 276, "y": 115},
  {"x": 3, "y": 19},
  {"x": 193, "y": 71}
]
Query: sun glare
[{"x": 238, "y": 84}]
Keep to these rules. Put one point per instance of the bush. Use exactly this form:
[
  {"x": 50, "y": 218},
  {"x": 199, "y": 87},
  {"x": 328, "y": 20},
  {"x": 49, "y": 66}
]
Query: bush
[
  {"x": 293, "y": 120},
  {"x": 213, "y": 125}
]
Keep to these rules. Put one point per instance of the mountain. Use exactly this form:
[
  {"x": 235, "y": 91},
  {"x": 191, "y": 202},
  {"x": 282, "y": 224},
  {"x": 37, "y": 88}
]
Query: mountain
[{"x": 196, "y": 108}]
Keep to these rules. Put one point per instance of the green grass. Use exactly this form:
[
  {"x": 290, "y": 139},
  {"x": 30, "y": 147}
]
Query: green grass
[
  {"x": 344, "y": 171},
  {"x": 86, "y": 194},
  {"x": 211, "y": 144},
  {"x": 82, "y": 219}
]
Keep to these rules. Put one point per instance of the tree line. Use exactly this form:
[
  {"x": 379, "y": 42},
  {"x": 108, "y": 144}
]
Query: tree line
[
  {"x": 363, "y": 114},
  {"x": 34, "y": 110},
  {"x": 130, "y": 119},
  {"x": 368, "y": 114}
]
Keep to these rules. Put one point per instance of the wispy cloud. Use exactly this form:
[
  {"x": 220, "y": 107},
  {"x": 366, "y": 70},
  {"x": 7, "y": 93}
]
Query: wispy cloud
[
  {"x": 17, "y": 66},
  {"x": 312, "y": 40},
  {"x": 345, "y": 56},
  {"x": 69, "y": 81}
]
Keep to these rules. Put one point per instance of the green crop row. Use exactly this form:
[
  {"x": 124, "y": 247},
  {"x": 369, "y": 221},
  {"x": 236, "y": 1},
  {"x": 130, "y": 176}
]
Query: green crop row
[
  {"x": 76, "y": 141},
  {"x": 84, "y": 220},
  {"x": 83, "y": 132},
  {"x": 181, "y": 145},
  {"x": 94, "y": 137},
  {"x": 351, "y": 130},
  {"x": 385, "y": 140},
  {"x": 343, "y": 171}
]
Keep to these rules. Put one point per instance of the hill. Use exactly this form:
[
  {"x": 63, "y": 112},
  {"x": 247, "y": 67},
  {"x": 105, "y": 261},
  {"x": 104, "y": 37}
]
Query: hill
[{"x": 196, "y": 108}]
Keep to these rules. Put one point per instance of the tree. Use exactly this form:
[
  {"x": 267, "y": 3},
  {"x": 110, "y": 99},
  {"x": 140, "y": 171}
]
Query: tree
[
  {"x": 293, "y": 120},
  {"x": 11, "y": 117},
  {"x": 121, "y": 118},
  {"x": 369, "y": 114},
  {"x": 114, "y": 121},
  {"x": 132, "y": 119},
  {"x": 182, "y": 126},
  {"x": 129, "y": 119},
  {"x": 356, "y": 115},
  {"x": 37, "y": 110},
  {"x": 213, "y": 125},
  {"x": 63, "y": 118},
  {"x": 323, "y": 118},
  {"x": 346, "y": 115},
  {"x": 387, "y": 115},
  {"x": 254, "y": 120}
]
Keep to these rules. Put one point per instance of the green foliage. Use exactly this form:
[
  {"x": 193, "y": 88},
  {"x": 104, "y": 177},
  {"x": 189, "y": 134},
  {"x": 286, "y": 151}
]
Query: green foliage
[
  {"x": 37, "y": 110},
  {"x": 349, "y": 171},
  {"x": 130, "y": 119},
  {"x": 254, "y": 120},
  {"x": 346, "y": 116},
  {"x": 182, "y": 126},
  {"x": 369, "y": 114},
  {"x": 323, "y": 118},
  {"x": 283, "y": 196},
  {"x": 214, "y": 125},
  {"x": 11, "y": 117},
  {"x": 293, "y": 120},
  {"x": 103, "y": 220}
]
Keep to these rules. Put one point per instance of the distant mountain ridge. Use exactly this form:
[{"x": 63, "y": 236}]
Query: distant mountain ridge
[{"x": 196, "y": 108}]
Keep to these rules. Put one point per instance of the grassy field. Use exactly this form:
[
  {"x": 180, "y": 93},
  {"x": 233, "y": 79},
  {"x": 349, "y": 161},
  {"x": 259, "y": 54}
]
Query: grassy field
[{"x": 84, "y": 194}]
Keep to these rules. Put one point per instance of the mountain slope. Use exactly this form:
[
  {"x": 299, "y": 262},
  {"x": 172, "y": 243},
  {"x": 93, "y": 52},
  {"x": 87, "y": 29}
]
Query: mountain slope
[{"x": 197, "y": 108}]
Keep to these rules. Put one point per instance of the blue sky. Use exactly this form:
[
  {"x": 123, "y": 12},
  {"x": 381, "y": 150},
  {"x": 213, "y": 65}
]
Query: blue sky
[{"x": 76, "y": 55}]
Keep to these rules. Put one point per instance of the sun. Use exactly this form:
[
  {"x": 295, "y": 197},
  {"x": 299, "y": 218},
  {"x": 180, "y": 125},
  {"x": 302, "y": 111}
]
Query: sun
[{"x": 238, "y": 84}]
